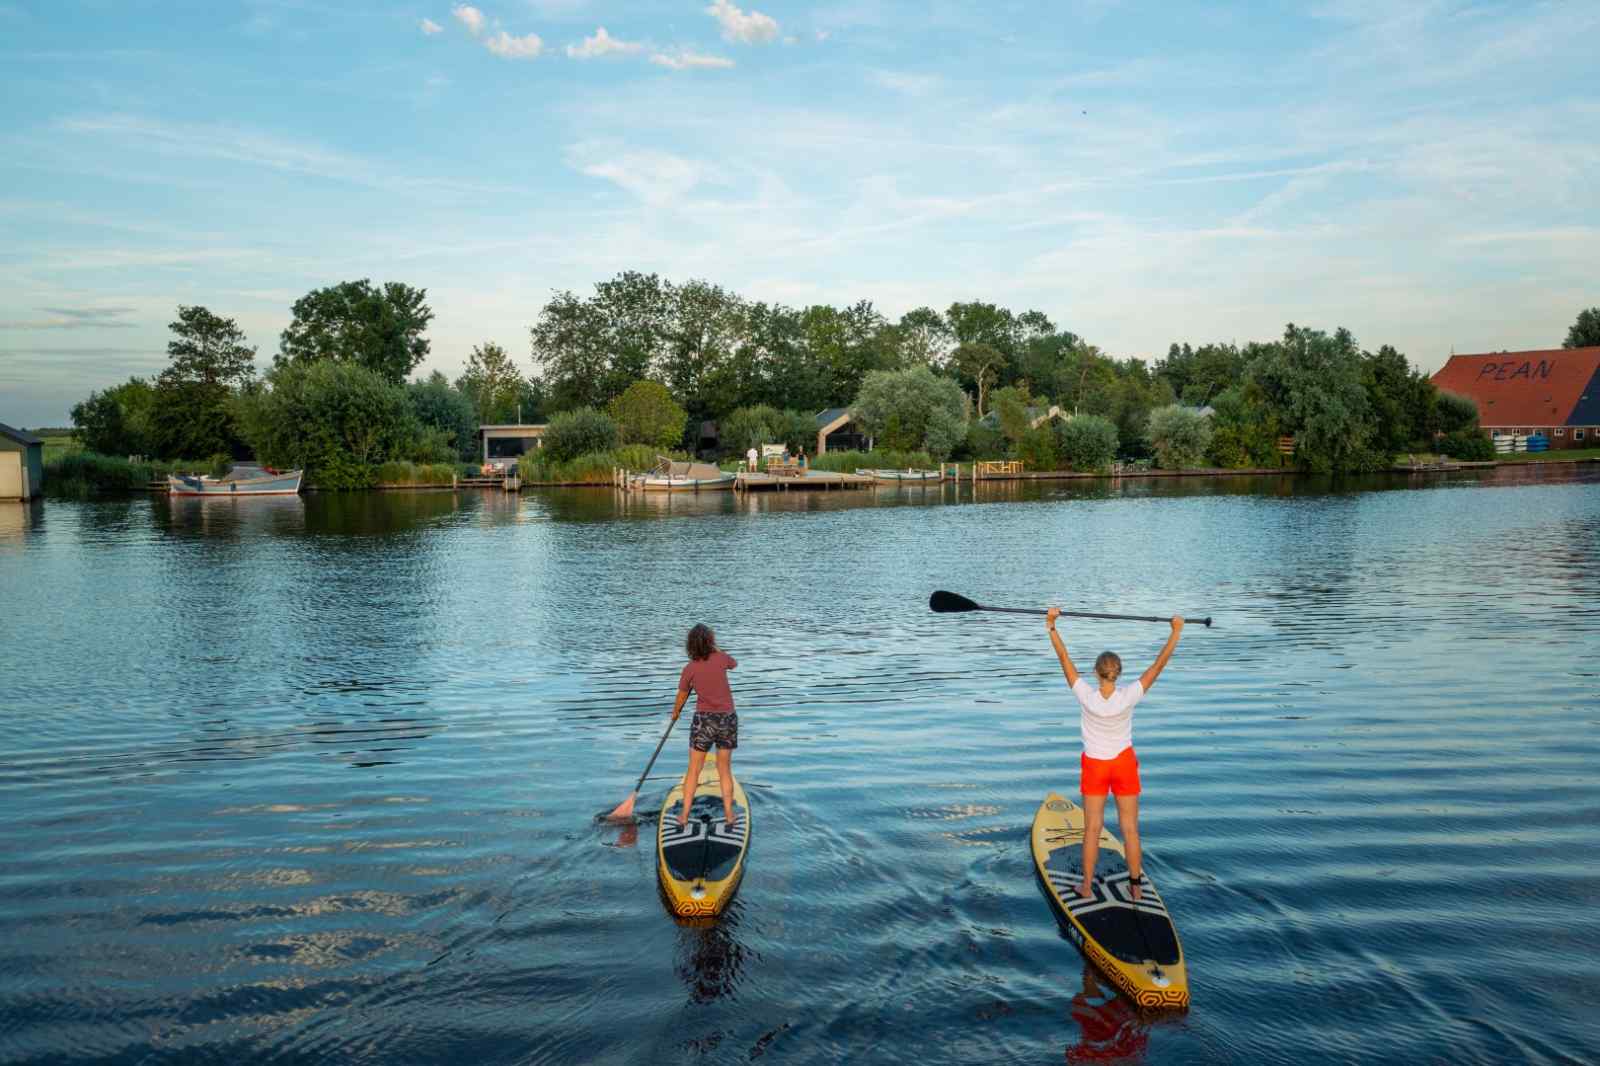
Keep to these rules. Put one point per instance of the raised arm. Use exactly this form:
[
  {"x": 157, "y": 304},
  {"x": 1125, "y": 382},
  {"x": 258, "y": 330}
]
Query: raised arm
[
  {"x": 1148, "y": 678},
  {"x": 1061, "y": 649}
]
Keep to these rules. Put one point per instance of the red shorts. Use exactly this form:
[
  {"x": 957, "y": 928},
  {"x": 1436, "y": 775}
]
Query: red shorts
[{"x": 1119, "y": 775}]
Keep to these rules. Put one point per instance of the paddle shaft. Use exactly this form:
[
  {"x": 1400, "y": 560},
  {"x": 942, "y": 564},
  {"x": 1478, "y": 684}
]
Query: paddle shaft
[
  {"x": 1090, "y": 614},
  {"x": 649, "y": 765}
]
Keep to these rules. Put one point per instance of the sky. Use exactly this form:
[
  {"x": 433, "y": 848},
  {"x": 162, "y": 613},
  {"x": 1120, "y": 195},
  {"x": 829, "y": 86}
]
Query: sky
[{"x": 1424, "y": 174}]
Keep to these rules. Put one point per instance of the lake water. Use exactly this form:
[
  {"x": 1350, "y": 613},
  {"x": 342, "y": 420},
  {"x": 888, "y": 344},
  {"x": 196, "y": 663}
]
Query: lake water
[{"x": 315, "y": 780}]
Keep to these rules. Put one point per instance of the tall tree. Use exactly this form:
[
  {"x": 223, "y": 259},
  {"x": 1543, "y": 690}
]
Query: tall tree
[
  {"x": 925, "y": 338},
  {"x": 980, "y": 364},
  {"x": 493, "y": 384},
  {"x": 570, "y": 353},
  {"x": 192, "y": 414},
  {"x": 1585, "y": 332},
  {"x": 440, "y": 406},
  {"x": 356, "y": 322}
]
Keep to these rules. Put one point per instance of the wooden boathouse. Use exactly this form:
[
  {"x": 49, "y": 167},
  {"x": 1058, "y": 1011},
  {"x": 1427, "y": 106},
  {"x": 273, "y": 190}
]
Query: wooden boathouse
[{"x": 21, "y": 464}]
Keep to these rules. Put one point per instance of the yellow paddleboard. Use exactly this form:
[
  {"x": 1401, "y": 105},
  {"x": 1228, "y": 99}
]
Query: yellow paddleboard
[
  {"x": 701, "y": 863},
  {"x": 1134, "y": 944}
]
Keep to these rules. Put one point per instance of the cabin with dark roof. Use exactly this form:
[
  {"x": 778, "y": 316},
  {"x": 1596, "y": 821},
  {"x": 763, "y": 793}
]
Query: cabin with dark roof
[
  {"x": 21, "y": 464},
  {"x": 1552, "y": 392},
  {"x": 838, "y": 432}
]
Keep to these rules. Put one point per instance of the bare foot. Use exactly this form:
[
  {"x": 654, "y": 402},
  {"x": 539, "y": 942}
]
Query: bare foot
[
  {"x": 1133, "y": 885},
  {"x": 683, "y": 816},
  {"x": 1084, "y": 890},
  {"x": 729, "y": 816}
]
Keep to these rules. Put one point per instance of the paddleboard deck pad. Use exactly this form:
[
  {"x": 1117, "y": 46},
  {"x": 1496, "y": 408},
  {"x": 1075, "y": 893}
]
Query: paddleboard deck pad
[
  {"x": 1133, "y": 943},
  {"x": 701, "y": 863}
]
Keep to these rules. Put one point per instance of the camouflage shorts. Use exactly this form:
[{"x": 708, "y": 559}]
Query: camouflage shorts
[{"x": 719, "y": 729}]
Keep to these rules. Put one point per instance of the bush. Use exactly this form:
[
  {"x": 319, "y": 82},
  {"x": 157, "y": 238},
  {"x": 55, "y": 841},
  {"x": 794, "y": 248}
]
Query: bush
[
  {"x": 399, "y": 472},
  {"x": 1037, "y": 448},
  {"x": 647, "y": 414},
  {"x": 79, "y": 475},
  {"x": 220, "y": 465},
  {"x": 339, "y": 471},
  {"x": 1086, "y": 442},
  {"x": 912, "y": 410},
  {"x": 584, "y": 431},
  {"x": 1179, "y": 436},
  {"x": 1468, "y": 445},
  {"x": 1453, "y": 413},
  {"x": 595, "y": 467},
  {"x": 877, "y": 459},
  {"x": 984, "y": 442}
]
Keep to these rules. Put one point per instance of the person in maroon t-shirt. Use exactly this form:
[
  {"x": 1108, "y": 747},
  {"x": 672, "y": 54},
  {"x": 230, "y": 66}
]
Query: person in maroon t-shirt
[{"x": 714, "y": 721}]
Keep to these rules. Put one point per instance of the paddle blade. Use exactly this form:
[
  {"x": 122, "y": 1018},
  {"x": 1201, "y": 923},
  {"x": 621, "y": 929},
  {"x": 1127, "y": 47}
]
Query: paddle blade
[
  {"x": 624, "y": 810},
  {"x": 950, "y": 603}
]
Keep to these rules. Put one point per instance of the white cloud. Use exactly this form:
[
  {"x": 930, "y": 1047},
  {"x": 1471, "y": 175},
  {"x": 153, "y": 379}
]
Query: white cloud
[
  {"x": 508, "y": 47},
  {"x": 743, "y": 27},
  {"x": 684, "y": 60},
  {"x": 602, "y": 44},
  {"x": 430, "y": 27},
  {"x": 905, "y": 83},
  {"x": 657, "y": 178},
  {"x": 470, "y": 17}
]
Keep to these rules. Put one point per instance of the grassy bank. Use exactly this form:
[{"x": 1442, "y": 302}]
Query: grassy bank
[
  {"x": 398, "y": 475},
  {"x": 79, "y": 474},
  {"x": 1563, "y": 454},
  {"x": 592, "y": 469},
  {"x": 878, "y": 459}
]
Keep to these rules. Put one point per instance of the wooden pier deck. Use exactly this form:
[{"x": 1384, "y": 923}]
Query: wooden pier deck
[{"x": 746, "y": 481}]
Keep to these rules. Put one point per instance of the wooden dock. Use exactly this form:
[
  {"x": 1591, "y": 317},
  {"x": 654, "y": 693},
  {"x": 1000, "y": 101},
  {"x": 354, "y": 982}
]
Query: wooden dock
[{"x": 746, "y": 481}]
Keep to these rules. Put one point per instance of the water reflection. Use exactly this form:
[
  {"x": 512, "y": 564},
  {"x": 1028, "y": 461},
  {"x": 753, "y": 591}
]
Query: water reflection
[
  {"x": 1109, "y": 1027},
  {"x": 710, "y": 958},
  {"x": 16, "y": 521}
]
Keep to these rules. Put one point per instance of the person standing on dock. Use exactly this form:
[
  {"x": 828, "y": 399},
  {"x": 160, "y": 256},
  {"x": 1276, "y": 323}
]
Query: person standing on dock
[
  {"x": 800, "y": 458},
  {"x": 751, "y": 456},
  {"x": 1108, "y": 762}
]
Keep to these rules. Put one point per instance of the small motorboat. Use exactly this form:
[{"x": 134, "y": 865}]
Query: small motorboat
[
  {"x": 672, "y": 476},
  {"x": 243, "y": 481},
  {"x": 902, "y": 476}
]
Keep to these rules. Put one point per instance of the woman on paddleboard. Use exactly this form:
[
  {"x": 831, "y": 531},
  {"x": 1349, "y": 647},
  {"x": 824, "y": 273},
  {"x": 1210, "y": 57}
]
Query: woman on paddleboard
[
  {"x": 714, "y": 720},
  {"x": 1108, "y": 762}
]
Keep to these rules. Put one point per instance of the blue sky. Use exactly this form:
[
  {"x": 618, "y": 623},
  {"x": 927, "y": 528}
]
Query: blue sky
[{"x": 1424, "y": 174}]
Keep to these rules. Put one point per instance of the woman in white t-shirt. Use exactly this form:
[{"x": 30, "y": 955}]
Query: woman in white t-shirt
[{"x": 1108, "y": 762}]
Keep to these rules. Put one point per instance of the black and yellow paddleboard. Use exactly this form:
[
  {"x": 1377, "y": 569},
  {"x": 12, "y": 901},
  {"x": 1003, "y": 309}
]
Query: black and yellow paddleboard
[
  {"x": 1134, "y": 944},
  {"x": 701, "y": 863}
]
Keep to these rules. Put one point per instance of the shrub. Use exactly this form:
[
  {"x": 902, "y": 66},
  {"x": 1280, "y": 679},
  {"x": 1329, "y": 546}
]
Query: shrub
[
  {"x": 333, "y": 415},
  {"x": 984, "y": 441},
  {"x": 1468, "y": 445},
  {"x": 1453, "y": 412},
  {"x": 583, "y": 431},
  {"x": 400, "y": 472},
  {"x": 220, "y": 465},
  {"x": 339, "y": 471},
  {"x": 595, "y": 467},
  {"x": 877, "y": 459},
  {"x": 1179, "y": 436},
  {"x": 1037, "y": 448},
  {"x": 647, "y": 414},
  {"x": 1086, "y": 442},
  {"x": 751, "y": 427}
]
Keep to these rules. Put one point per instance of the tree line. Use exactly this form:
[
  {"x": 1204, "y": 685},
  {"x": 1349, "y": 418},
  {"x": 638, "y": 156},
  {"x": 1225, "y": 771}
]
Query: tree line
[{"x": 646, "y": 360}]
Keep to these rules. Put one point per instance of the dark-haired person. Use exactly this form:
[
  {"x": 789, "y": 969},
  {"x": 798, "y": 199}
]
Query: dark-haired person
[
  {"x": 1108, "y": 762},
  {"x": 714, "y": 720}
]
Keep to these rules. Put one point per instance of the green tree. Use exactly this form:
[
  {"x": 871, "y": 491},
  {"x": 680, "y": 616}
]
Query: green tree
[
  {"x": 1244, "y": 431},
  {"x": 924, "y": 337},
  {"x": 1086, "y": 442},
  {"x": 1179, "y": 436},
  {"x": 117, "y": 421},
  {"x": 192, "y": 413},
  {"x": 912, "y": 410},
  {"x": 580, "y": 432},
  {"x": 1013, "y": 408},
  {"x": 979, "y": 363},
  {"x": 357, "y": 322},
  {"x": 1313, "y": 383},
  {"x": 1196, "y": 375},
  {"x": 338, "y": 420},
  {"x": 493, "y": 384},
  {"x": 646, "y": 413},
  {"x": 751, "y": 427},
  {"x": 1402, "y": 400},
  {"x": 1453, "y": 412},
  {"x": 1585, "y": 332},
  {"x": 440, "y": 406}
]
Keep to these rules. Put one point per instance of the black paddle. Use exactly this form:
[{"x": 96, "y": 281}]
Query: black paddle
[{"x": 950, "y": 603}]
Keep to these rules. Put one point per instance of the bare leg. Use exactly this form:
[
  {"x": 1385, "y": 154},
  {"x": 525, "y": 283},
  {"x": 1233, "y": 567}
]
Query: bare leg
[
  {"x": 1094, "y": 819},
  {"x": 725, "y": 779},
  {"x": 697, "y": 759},
  {"x": 1128, "y": 822}
]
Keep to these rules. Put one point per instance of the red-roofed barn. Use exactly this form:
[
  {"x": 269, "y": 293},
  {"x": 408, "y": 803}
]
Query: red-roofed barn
[{"x": 1556, "y": 393}]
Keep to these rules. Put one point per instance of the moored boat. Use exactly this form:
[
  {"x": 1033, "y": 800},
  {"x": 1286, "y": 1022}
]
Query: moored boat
[
  {"x": 672, "y": 476},
  {"x": 266, "y": 483},
  {"x": 901, "y": 476}
]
